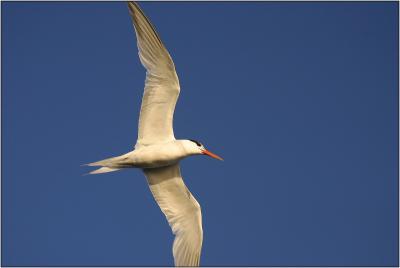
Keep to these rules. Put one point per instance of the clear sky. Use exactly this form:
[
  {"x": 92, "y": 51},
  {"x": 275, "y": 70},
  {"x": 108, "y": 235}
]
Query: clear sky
[{"x": 300, "y": 99}]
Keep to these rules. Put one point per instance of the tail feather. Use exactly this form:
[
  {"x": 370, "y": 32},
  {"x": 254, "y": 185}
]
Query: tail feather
[
  {"x": 110, "y": 164},
  {"x": 104, "y": 170},
  {"x": 112, "y": 161}
]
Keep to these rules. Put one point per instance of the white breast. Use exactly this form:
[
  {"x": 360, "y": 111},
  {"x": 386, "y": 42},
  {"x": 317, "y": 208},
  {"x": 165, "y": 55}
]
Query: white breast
[{"x": 158, "y": 155}]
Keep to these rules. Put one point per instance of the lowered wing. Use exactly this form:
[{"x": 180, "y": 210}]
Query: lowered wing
[
  {"x": 182, "y": 211},
  {"x": 161, "y": 87}
]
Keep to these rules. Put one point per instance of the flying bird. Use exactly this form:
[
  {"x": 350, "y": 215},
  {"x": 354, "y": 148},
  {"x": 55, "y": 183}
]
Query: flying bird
[{"x": 157, "y": 152}]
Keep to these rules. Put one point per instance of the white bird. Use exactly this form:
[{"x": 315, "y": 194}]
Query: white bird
[{"x": 157, "y": 152}]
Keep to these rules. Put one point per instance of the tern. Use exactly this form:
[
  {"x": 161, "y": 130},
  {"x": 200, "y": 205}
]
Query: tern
[{"x": 157, "y": 152}]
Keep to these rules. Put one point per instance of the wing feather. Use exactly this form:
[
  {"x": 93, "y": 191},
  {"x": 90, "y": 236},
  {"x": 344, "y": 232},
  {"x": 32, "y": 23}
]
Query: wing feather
[
  {"x": 161, "y": 86},
  {"x": 182, "y": 211}
]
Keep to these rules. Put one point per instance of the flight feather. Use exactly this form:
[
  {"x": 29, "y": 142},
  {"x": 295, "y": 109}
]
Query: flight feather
[
  {"x": 161, "y": 86},
  {"x": 182, "y": 211}
]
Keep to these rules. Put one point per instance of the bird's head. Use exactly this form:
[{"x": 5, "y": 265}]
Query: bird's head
[{"x": 198, "y": 148}]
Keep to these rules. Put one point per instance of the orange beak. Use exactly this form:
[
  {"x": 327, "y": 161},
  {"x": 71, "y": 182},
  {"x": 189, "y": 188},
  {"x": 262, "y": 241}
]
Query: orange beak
[{"x": 212, "y": 155}]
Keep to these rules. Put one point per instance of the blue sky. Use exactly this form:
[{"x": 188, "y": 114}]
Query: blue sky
[{"x": 300, "y": 99}]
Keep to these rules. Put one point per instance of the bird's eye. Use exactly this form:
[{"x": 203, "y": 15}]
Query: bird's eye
[{"x": 197, "y": 143}]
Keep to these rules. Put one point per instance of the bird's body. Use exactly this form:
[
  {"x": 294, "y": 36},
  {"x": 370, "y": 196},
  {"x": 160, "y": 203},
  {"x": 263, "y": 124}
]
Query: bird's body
[
  {"x": 151, "y": 156},
  {"x": 157, "y": 152}
]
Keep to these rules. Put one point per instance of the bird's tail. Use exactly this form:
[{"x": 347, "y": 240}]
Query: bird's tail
[
  {"x": 109, "y": 164},
  {"x": 103, "y": 170}
]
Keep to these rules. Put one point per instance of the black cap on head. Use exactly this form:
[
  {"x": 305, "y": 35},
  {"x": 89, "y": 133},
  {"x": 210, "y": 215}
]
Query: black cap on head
[{"x": 197, "y": 143}]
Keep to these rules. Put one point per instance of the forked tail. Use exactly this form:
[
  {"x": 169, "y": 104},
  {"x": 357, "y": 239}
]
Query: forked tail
[
  {"x": 103, "y": 170},
  {"x": 109, "y": 164}
]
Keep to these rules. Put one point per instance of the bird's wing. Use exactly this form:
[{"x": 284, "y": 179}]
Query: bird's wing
[
  {"x": 182, "y": 211},
  {"x": 162, "y": 85}
]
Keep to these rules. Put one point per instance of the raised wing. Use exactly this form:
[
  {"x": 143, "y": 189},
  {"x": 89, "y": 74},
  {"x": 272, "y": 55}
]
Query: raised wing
[
  {"x": 182, "y": 211},
  {"x": 161, "y": 87}
]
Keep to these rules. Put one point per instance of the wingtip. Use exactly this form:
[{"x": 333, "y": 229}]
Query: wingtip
[{"x": 132, "y": 4}]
